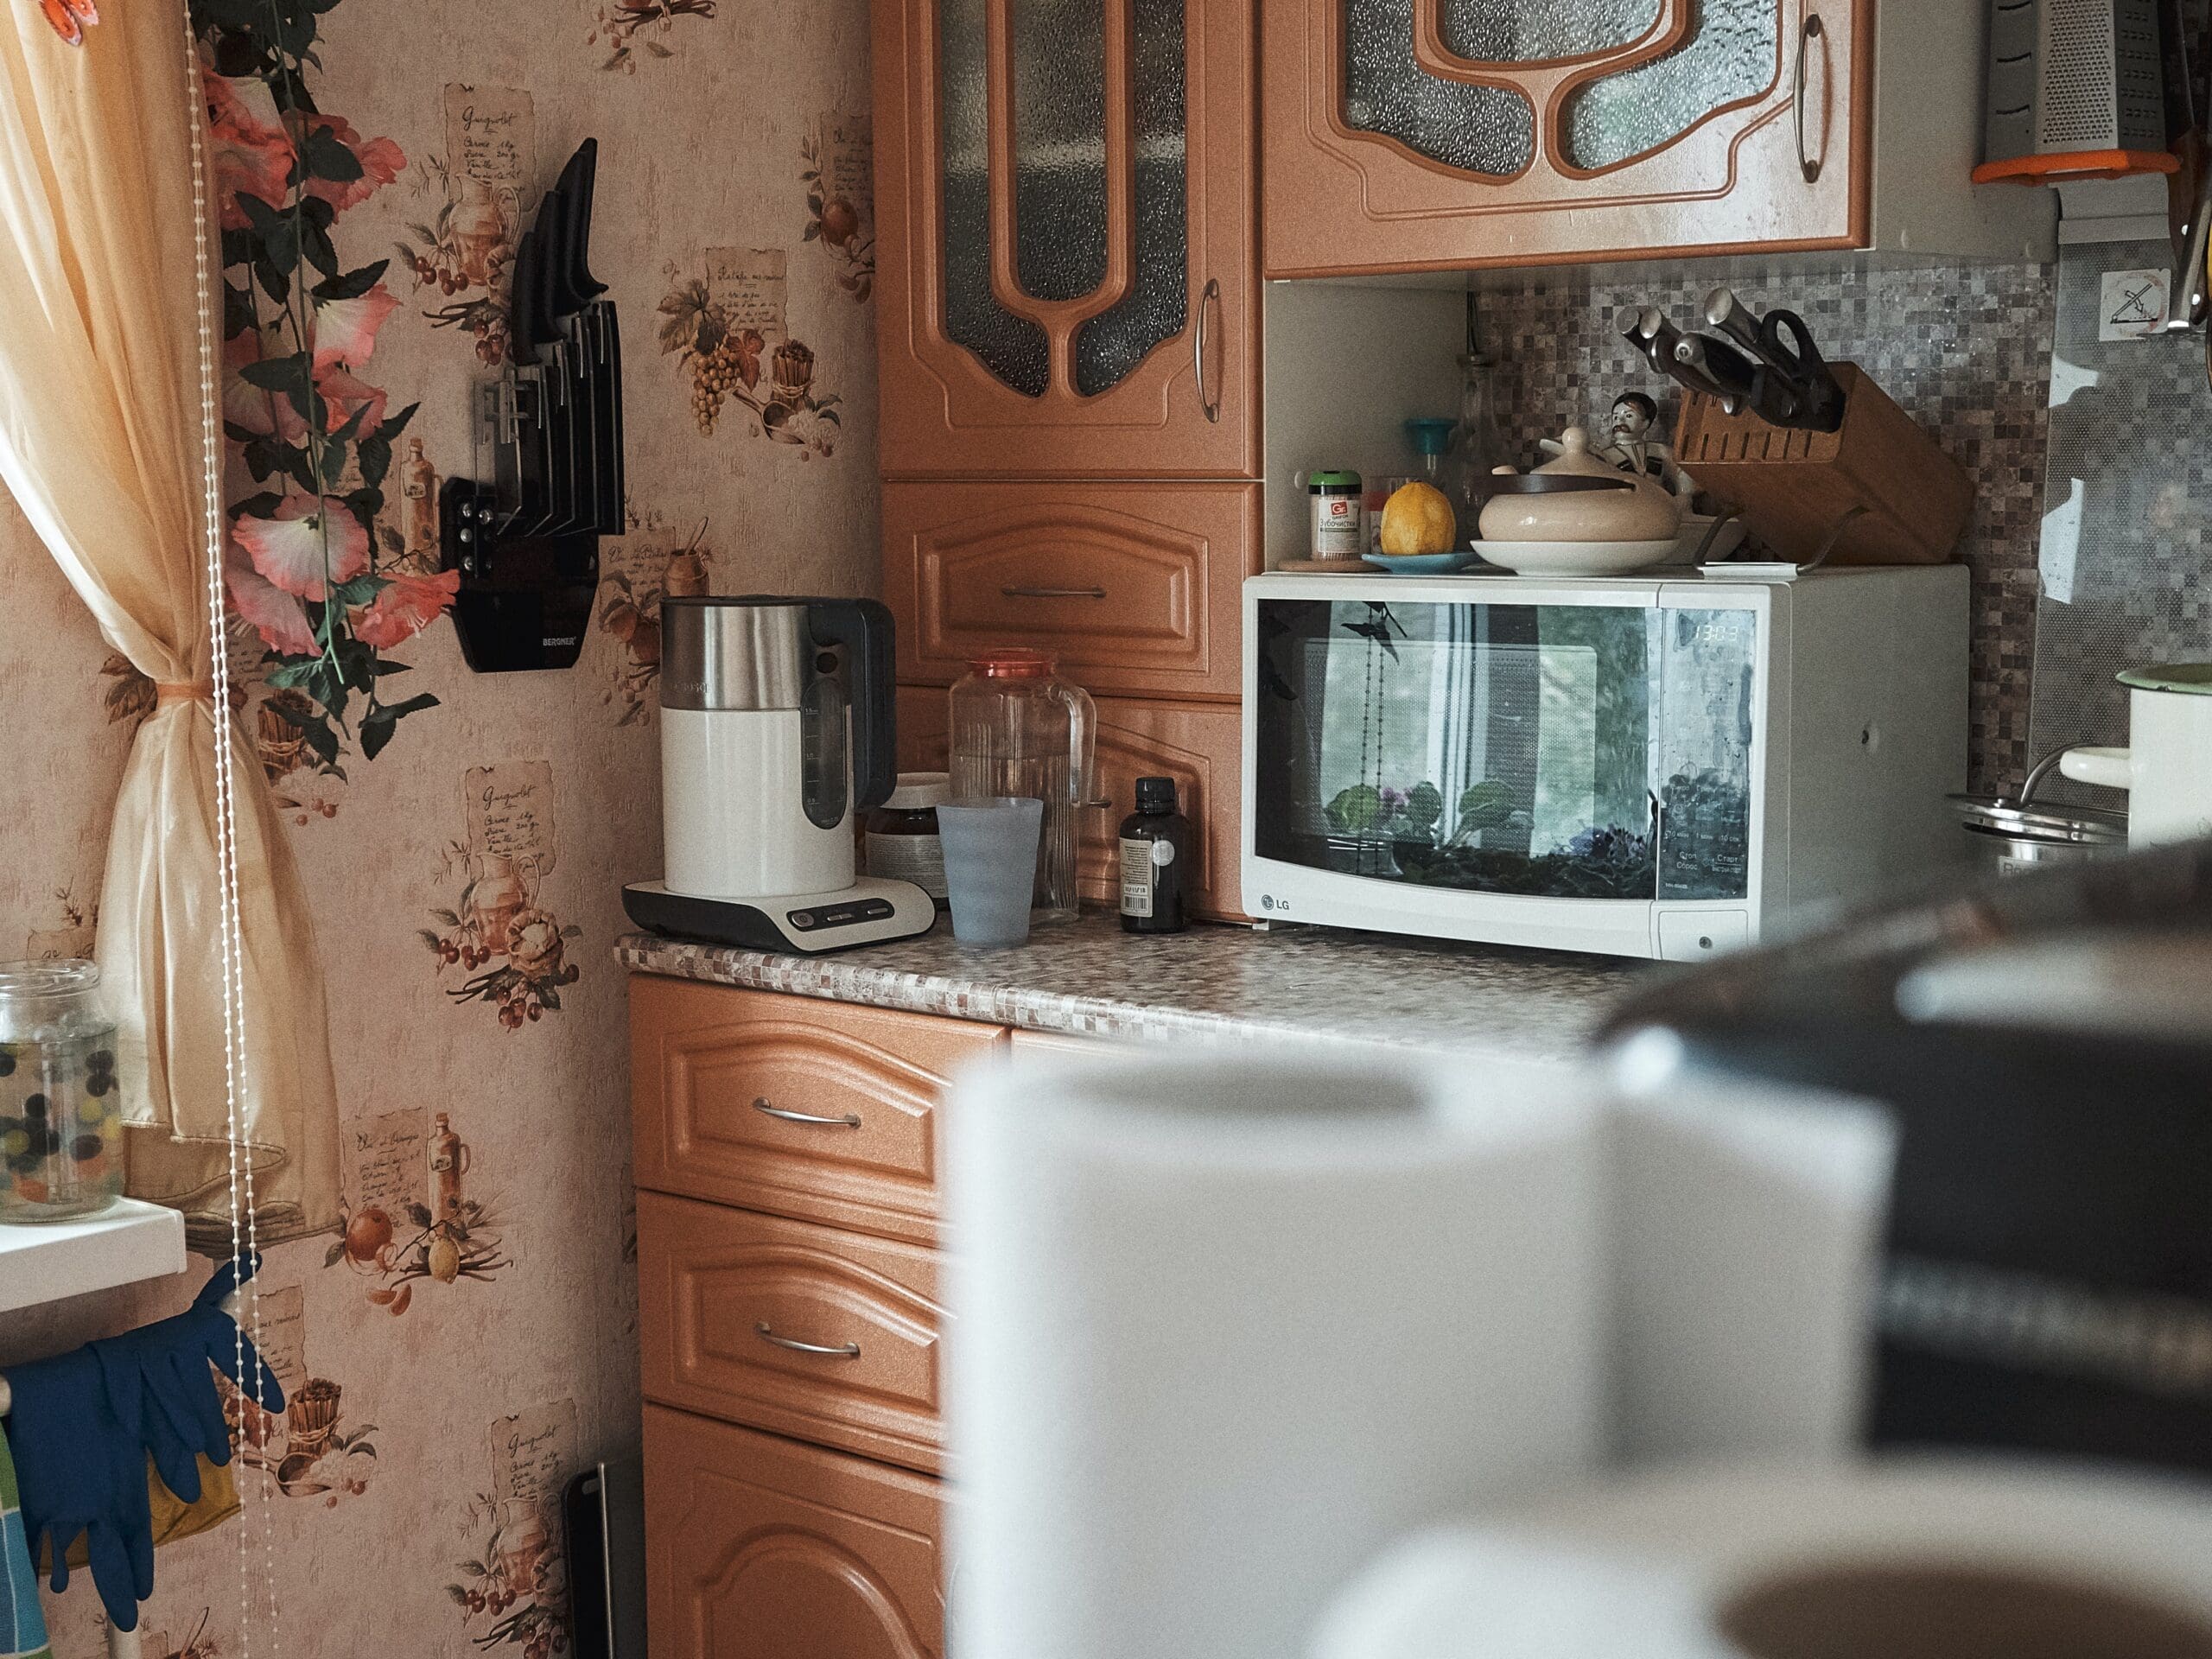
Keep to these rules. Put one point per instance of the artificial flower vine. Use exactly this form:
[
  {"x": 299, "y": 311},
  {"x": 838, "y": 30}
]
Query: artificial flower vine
[{"x": 302, "y": 565}]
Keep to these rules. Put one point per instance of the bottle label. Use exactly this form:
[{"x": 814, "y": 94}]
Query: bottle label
[
  {"x": 1136, "y": 875},
  {"x": 918, "y": 858}
]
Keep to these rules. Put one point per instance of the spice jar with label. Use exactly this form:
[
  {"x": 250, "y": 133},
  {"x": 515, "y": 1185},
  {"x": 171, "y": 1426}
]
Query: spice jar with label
[
  {"x": 902, "y": 839},
  {"x": 1338, "y": 523}
]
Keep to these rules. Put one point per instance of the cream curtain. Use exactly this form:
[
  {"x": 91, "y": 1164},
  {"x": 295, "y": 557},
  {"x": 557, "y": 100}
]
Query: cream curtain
[{"x": 99, "y": 443}]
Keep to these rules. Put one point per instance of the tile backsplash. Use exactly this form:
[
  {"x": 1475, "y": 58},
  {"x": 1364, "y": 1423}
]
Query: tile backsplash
[{"x": 1965, "y": 350}]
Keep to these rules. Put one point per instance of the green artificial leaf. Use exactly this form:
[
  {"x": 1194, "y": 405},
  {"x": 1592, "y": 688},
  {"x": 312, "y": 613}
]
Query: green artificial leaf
[
  {"x": 325, "y": 157},
  {"x": 276, "y": 373},
  {"x": 390, "y": 665},
  {"x": 238, "y": 317},
  {"x": 375, "y": 456},
  {"x": 314, "y": 242},
  {"x": 364, "y": 503},
  {"x": 359, "y": 590},
  {"x": 395, "y": 424},
  {"x": 261, "y": 505},
  {"x": 352, "y": 284}
]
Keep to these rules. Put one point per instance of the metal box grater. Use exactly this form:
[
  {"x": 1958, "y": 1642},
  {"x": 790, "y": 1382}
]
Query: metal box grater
[{"x": 2072, "y": 75}]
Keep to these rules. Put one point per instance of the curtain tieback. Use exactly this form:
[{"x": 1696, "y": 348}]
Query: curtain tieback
[{"x": 169, "y": 692}]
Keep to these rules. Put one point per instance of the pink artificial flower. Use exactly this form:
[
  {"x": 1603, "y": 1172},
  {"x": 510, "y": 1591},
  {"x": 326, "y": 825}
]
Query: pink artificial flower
[
  {"x": 252, "y": 152},
  {"x": 291, "y": 549},
  {"x": 342, "y": 394},
  {"x": 403, "y": 607},
  {"x": 277, "y": 616},
  {"x": 380, "y": 159},
  {"x": 346, "y": 330},
  {"x": 251, "y": 408}
]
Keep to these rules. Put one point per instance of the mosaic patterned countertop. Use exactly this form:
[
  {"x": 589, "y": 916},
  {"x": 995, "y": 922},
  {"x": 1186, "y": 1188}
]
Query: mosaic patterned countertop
[{"x": 1089, "y": 979}]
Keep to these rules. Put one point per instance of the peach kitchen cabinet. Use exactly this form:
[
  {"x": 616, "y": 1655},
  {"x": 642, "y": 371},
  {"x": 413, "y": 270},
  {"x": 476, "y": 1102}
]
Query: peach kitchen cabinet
[
  {"x": 1407, "y": 134},
  {"x": 759, "y": 1548},
  {"x": 1137, "y": 588},
  {"x": 788, "y": 1319},
  {"x": 1067, "y": 272}
]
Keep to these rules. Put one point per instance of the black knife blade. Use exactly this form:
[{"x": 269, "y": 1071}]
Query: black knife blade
[{"x": 574, "y": 292}]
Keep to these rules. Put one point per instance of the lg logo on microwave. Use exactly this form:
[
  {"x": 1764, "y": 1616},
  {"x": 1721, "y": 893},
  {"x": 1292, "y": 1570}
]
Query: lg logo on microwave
[{"x": 1268, "y": 901}]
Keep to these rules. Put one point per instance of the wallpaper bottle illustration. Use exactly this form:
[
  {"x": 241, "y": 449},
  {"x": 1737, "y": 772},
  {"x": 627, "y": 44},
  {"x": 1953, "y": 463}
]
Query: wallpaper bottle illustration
[
  {"x": 450, "y": 1162},
  {"x": 418, "y": 487}
]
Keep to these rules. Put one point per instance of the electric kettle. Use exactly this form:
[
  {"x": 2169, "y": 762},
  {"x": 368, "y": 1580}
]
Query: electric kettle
[{"x": 778, "y": 727}]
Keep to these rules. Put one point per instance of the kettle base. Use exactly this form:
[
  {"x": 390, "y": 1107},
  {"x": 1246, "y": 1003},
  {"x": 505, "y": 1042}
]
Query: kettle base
[{"x": 870, "y": 912}]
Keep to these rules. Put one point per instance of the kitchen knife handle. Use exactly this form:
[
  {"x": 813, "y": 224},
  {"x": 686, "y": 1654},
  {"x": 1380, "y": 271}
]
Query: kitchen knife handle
[
  {"x": 576, "y": 182},
  {"x": 1814, "y": 30},
  {"x": 522, "y": 301},
  {"x": 553, "y": 301}
]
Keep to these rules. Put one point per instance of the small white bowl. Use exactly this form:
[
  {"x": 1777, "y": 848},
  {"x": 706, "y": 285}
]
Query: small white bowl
[{"x": 1576, "y": 558}]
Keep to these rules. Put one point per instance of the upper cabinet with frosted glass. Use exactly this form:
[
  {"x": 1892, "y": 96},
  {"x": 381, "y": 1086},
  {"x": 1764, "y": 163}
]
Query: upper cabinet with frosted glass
[
  {"x": 1407, "y": 134},
  {"x": 1067, "y": 265}
]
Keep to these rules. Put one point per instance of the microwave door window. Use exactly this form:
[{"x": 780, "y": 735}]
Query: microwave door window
[
  {"x": 1489, "y": 749},
  {"x": 1702, "y": 731}
]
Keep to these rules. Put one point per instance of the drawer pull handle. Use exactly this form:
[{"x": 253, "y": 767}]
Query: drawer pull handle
[
  {"x": 1812, "y": 31},
  {"x": 849, "y": 1121},
  {"x": 1054, "y": 593},
  {"x": 842, "y": 1350}
]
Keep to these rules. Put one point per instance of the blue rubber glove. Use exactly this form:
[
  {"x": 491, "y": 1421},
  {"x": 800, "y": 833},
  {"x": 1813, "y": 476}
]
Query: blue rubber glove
[
  {"x": 159, "y": 1384},
  {"x": 80, "y": 1470}
]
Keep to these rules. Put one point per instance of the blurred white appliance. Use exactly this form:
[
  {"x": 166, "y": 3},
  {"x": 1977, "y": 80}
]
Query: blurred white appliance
[
  {"x": 1653, "y": 767},
  {"x": 777, "y": 727}
]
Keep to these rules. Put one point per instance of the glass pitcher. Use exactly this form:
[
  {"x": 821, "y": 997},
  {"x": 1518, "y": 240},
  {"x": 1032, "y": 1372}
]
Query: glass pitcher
[{"x": 1018, "y": 728}]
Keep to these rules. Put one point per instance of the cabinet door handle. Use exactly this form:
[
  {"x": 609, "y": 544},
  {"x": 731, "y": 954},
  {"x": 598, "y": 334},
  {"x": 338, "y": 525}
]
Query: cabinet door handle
[
  {"x": 842, "y": 1350},
  {"x": 1211, "y": 296},
  {"x": 1812, "y": 31},
  {"x": 1054, "y": 593},
  {"x": 849, "y": 1121}
]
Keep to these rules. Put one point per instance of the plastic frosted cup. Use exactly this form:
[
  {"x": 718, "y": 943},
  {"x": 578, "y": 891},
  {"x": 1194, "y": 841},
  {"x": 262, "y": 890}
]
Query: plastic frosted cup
[{"x": 990, "y": 865}]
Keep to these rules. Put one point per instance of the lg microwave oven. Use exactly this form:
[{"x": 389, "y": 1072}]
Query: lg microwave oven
[{"x": 1652, "y": 766}]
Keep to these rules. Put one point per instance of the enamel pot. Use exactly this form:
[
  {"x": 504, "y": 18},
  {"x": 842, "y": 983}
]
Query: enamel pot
[{"x": 2166, "y": 767}]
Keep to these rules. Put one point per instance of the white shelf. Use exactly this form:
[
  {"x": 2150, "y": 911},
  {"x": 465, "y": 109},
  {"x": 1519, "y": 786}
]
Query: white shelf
[{"x": 129, "y": 1241}]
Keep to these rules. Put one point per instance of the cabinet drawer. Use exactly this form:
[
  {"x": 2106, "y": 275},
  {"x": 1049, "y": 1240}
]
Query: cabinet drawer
[
  {"x": 709, "y": 1280},
  {"x": 715, "y": 1070},
  {"x": 1200, "y": 745},
  {"x": 759, "y": 1548},
  {"x": 1134, "y": 588}
]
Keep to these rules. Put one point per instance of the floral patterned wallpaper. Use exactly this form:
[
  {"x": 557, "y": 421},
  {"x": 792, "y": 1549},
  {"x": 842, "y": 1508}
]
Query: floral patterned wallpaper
[{"x": 469, "y": 1339}]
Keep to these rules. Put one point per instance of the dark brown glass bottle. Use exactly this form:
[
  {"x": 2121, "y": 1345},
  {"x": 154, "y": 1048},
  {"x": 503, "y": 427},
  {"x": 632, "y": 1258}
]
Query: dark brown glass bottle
[{"x": 1156, "y": 861}]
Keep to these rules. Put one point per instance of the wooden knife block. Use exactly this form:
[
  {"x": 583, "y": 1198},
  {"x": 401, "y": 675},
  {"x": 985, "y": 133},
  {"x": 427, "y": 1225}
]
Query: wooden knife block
[{"x": 1793, "y": 488}]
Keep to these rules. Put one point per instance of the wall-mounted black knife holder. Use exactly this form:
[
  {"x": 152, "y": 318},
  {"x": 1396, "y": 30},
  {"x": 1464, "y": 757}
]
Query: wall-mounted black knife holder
[{"x": 524, "y": 534}]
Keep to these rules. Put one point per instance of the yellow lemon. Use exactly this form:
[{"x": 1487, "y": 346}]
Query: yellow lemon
[{"x": 1418, "y": 518}]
